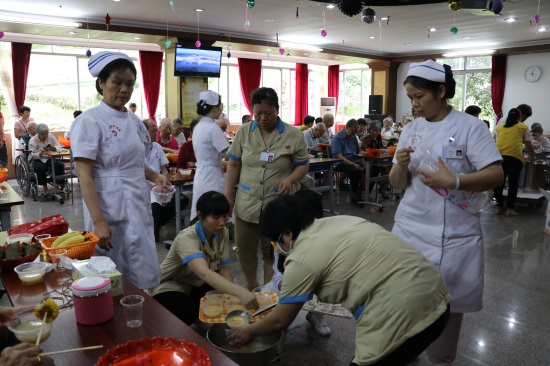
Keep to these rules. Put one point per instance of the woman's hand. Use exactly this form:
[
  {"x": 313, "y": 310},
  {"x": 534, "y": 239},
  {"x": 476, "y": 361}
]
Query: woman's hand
[
  {"x": 403, "y": 157},
  {"x": 161, "y": 180},
  {"x": 248, "y": 299},
  {"x": 240, "y": 337},
  {"x": 443, "y": 178},
  {"x": 103, "y": 231},
  {"x": 23, "y": 354},
  {"x": 285, "y": 187},
  {"x": 7, "y": 314}
]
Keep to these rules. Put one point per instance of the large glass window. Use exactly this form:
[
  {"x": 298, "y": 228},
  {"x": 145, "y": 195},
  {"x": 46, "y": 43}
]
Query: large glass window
[
  {"x": 355, "y": 85},
  {"x": 473, "y": 84}
]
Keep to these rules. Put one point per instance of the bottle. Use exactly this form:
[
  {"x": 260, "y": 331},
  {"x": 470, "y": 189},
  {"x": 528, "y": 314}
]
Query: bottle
[{"x": 473, "y": 202}]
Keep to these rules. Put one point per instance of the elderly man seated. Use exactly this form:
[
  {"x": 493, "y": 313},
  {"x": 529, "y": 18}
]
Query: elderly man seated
[
  {"x": 165, "y": 139},
  {"x": 26, "y": 137},
  {"x": 39, "y": 144},
  {"x": 177, "y": 131},
  {"x": 540, "y": 143},
  {"x": 156, "y": 160},
  {"x": 344, "y": 146},
  {"x": 328, "y": 120},
  {"x": 312, "y": 135}
]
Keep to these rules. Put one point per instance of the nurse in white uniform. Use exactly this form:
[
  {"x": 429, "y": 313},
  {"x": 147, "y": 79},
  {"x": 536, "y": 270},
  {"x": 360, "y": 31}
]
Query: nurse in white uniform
[
  {"x": 108, "y": 145},
  {"x": 449, "y": 236},
  {"x": 210, "y": 145}
]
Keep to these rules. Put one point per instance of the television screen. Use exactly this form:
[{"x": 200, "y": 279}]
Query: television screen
[{"x": 193, "y": 61}]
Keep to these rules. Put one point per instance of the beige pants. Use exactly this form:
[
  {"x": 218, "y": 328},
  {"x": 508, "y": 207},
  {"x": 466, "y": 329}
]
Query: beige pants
[{"x": 442, "y": 352}]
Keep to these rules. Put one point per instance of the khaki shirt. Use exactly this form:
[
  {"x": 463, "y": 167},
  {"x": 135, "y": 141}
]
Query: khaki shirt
[
  {"x": 191, "y": 244},
  {"x": 392, "y": 290},
  {"x": 259, "y": 180}
]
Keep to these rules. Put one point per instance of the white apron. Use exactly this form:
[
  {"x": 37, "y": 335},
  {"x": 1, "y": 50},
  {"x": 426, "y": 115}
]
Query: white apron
[
  {"x": 122, "y": 192},
  {"x": 208, "y": 143}
]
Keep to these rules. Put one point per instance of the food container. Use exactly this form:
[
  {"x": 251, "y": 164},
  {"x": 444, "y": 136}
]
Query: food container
[
  {"x": 27, "y": 326},
  {"x": 80, "y": 251},
  {"x": 185, "y": 173},
  {"x": 164, "y": 194},
  {"x": 31, "y": 273},
  {"x": 25, "y": 238},
  {"x": 93, "y": 303},
  {"x": 212, "y": 308}
]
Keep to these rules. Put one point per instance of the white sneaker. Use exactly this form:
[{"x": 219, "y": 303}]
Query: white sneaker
[{"x": 318, "y": 323}]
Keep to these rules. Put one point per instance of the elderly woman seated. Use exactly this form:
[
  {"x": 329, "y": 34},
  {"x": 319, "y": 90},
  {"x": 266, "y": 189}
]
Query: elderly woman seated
[
  {"x": 373, "y": 140},
  {"x": 540, "y": 143},
  {"x": 40, "y": 144}
]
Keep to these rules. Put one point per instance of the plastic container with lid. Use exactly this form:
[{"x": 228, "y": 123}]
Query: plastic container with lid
[{"x": 93, "y": 302}]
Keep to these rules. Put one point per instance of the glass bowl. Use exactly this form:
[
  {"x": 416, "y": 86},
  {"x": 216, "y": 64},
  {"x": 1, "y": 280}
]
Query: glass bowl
[
  {"x": 211, "y": 309},
  {"x": 164, "y": 194},
  {"x": 31, "y": 273},
  {"x": 27, "y": 326}
]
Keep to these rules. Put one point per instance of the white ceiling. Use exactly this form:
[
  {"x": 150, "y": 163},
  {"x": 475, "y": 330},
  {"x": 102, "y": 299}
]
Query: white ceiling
[{"x": 407, "y": 32}]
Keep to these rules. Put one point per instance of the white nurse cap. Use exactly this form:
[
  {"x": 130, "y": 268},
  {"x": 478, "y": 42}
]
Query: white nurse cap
[
  {"x": 209, "y": 97},
  {"x": 101, "y": 59},
  {"x": 429, "y": 70}
]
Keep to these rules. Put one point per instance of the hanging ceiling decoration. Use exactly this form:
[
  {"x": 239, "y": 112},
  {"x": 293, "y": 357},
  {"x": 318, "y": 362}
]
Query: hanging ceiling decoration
[{"x": 354, "y": 7}]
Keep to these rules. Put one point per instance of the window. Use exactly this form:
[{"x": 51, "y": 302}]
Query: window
[
  {"x": 473, "y": 84},
  {"x": 353, "y": 96}
]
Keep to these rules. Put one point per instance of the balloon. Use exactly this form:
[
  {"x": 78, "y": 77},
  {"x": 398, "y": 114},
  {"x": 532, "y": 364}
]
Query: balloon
[
  {"x": 228, "y": 54},
  {"x": 454, "y": 30},
  {"x": 454, "y": 5},
  {"x": 168, "y": 42},
  {"x": 251, "y": 3},
  {"x": 368, "y": 16},
  {"x": 324, "y": 32},
  {"x": 537, "y": 19},
  {"x": 198, "y": 44},
  {"x": 281, "y": 51},
  {"x": 88, "y": 53},
  {"x": 1, "y": 34},
  {"x": 172, "y": 4},
  {"x": 246, "y": 24},
  {"x": 497, "y": 6}
]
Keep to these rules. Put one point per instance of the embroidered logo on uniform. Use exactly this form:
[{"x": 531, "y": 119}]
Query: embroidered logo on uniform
[
  {"x": 287, "y": 147},
  {"x": 114, "y": 130}
]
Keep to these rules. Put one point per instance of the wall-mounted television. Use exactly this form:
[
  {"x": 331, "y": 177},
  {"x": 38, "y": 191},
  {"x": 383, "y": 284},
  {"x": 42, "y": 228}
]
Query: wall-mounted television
[{"x": 201, "y": 62}]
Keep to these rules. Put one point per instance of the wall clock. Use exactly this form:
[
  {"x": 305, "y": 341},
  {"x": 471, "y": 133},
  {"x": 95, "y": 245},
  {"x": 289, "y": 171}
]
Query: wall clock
[{"x": 532, "y": 73}]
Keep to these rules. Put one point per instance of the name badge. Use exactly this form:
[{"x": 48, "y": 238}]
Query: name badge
[
  {"x": 453, "y": 151},
  {"x": 215, "y": 266},
  {"x": 144, "y": 136},
  {"x": 267, "y": 157}
]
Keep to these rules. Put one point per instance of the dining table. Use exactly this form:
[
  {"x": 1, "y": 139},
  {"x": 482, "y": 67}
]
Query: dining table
[
  {"x": 370, "y": 160},
  {"x": 6, "y": 204},
  {"x": 181, "y": 183},
  {"x": 325, "y": 165},
  {"x": 66, "y": 333}
]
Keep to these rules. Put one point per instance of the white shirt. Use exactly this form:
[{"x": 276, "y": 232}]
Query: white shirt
[
  {"x": 36, "y": 146},
  {"x": 180, "y": 139}
]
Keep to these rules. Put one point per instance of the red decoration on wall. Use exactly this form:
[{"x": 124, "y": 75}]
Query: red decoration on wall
[{"x": 108, "y": 20}]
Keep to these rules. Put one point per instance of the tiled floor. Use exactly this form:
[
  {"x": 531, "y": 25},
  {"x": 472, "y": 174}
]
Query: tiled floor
[{"x": 513, "y": 328}]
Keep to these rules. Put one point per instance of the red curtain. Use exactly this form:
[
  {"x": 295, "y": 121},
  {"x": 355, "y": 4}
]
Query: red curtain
[
  {"x": 21, "y": 57},
  {"x": 498, "y": 83},
  {"x": 250, "y": 73},
  {"x": 302, "y": 98},
  {"x": 151, "y": 68},
  {"x": 334, "y": 82}
]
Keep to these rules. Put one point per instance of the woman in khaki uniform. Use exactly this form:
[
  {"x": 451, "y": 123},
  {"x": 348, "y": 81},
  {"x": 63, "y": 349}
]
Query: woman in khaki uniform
[
  {"x": 397, "y": 296},
  {"x": 267, "y": 159}
]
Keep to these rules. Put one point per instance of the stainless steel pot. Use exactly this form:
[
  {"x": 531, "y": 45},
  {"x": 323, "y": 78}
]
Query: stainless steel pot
[
  {"x": 267, "y": 348},
  {"x": 533, "y": 176}
]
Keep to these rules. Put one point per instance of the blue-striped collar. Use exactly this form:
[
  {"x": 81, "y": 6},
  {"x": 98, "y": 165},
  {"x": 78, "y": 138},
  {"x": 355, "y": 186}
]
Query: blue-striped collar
[
  {"x": 201, "y": 234},
  {"x": 280, "y": 125}
]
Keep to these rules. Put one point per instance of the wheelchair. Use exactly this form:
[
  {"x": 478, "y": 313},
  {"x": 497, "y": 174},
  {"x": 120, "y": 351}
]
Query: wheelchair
[{"x": 28, "y": 180}]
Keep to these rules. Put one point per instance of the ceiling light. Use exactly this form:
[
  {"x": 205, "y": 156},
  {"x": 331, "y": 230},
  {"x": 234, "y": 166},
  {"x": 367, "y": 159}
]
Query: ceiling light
[
  {"x": 542, "y": 29},
  {"x": 303, "y": 47},
  {"x": 268, "y": 50},
  {"x": 372, "y": 37},
  {"x": 432, "y": 29},
  {"x": 269, "y": 20},
  {"x": 510, "y": 20},
  {"x": 116, "y": 0},
  {"x": 331, "y": 6},
  {"x": 467, "y": 37},
  {"x": 468, "y": 53},
  {"x": 28, "y": 20},
  {"x": 199, "y": 10},
  {"x": 385, "y": 18},
  {"x": 407, "y": 44},
  {"x": 72, "y": 32},
  {"x": 137, "y": 37},
  {"x": 481, "y": 343}
]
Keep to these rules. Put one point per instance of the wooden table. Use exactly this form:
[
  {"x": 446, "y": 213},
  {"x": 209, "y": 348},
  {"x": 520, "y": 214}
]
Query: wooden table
[
  {"x": 7, "y": 204},
  {"x": 320, "y": 165},
  {"x": 179, "y": 182},
  {"x": 374, "y": 160},
  {"x": 66, "y": 333}
]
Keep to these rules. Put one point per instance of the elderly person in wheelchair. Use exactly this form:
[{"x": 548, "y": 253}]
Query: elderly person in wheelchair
[{"x": 39, "y": 144}]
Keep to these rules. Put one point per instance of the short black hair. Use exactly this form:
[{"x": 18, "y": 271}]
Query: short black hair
[
  {"x": 132, "y": 105},
  {"x": 246, "y": 118},
  {"x": 76, "y": 113},
  {"x": 473, "y": 110},
  {"x": 351, "y": 123},
  {"x": 526, "y": 110},
  {"x": 212, "y": 203},
  {"x": 113, "y": 66},
  {"x": 288, "y": 212},
  {"x": 23, "y": 109},
  {"x": 362, "y": 121},
  {"x": 267, "y": 95},
  {"x": 433, "y": 86},
  {"x": 308, "y": 120},
  {"x": 318, "y": 120},
  {"x": 538, "y": 129}
]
